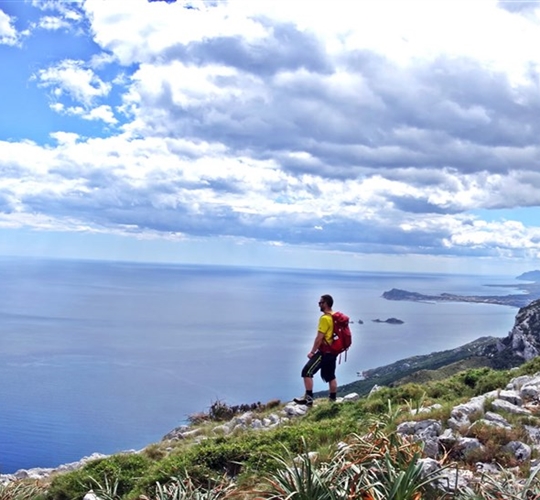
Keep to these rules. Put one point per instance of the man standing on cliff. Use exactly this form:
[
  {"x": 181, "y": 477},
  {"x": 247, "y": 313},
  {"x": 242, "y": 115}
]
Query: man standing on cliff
[{"x": 318, "y": 358}]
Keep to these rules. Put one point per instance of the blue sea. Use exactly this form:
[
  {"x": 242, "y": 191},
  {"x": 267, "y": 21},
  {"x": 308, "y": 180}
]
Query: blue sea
[{"x": 108, "y": 356}]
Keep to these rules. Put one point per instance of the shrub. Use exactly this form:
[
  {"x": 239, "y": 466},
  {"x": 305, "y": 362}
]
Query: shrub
[
  {"x": 492, "y": 380},
  {"x": 470, "y": 378},
  {"x": 529, "y": 368},
  {"x": 501, "y": 436},
  {"x": 171, "y": 466},
  {"x": 154, "y": 452},
  {"x": 123, "y": 470},
  {"x": 408, "y": 392},
  {"x": 220, "y": 411}
]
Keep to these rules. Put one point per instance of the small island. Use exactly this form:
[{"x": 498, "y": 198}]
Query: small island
[{"x": 391, "y": 321}]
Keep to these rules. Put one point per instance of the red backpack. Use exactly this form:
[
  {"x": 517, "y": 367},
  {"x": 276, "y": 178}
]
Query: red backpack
[{"x": 342, "y": 338}]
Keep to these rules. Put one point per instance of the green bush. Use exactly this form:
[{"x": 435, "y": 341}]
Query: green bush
[
  {"x": 171, "y": 466},
  {"x": 124, "y": 470},
  {"x": 491, "y": 381},
  {"x": 205, "y": 462},
  {"x": 471, "y": 377},
  {"x": 529, "y": 368}
]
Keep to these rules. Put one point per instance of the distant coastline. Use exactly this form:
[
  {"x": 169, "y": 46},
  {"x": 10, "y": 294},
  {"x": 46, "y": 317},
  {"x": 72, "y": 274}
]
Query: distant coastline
[{"x": 531, "y": 291}]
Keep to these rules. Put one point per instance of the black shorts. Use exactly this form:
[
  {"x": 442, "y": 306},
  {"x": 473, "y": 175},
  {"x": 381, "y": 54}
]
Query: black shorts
[{"x": 324, "y": 362}]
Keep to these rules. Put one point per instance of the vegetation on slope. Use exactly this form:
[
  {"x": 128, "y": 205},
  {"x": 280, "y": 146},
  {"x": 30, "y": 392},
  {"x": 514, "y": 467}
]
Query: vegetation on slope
[
  {"x": 337, "y": 451},
  {"x": 470, "y": 356}
]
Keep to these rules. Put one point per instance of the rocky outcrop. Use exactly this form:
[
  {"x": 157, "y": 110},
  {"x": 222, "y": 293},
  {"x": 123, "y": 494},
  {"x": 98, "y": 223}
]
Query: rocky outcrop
[
  {"x": 247, "y": 421},
  {"x": 38, "y": 473},
  {"x": 452, "y": 437},
  {"x": 525, "y": 335},
  {"x": 523, "y": 342}
]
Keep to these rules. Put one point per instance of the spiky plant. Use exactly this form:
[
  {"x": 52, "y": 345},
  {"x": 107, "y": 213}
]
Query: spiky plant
[
  {"x": 182, "y": 487},
  {"x": 20, "y": 490},
  {"x": 306, "y": 479},
  {"x": 507, "y": 486},
  {"x": 105, "y": 489},
  {"x": 396, "y": 481}
]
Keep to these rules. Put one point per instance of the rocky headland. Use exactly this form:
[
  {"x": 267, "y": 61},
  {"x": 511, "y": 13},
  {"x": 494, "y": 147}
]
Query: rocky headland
[{"x": 529, "y": 292}]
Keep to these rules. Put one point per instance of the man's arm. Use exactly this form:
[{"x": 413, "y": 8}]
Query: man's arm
[{"x": 316, "y": 343}]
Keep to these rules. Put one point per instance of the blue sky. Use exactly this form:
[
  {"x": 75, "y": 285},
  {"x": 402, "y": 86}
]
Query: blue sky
[{"x": 371, "y": 135}]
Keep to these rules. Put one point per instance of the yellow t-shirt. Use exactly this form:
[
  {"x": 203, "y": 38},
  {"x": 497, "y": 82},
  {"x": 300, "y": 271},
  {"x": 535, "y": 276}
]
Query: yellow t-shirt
[{"x": 326, "y": 326}]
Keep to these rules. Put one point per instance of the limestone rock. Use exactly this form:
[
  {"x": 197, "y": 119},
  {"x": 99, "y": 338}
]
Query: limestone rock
[
  {"x": 501, "y": 405},
  {"x": 520, "y": 450}
]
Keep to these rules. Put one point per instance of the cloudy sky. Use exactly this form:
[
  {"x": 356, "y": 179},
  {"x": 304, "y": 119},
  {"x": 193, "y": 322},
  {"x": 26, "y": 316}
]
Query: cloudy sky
[{"x": 370, "y": 134}]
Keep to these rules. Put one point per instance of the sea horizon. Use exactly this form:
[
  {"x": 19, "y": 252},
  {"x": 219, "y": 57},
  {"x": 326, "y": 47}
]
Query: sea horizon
[{"x": 106, "y": 356}]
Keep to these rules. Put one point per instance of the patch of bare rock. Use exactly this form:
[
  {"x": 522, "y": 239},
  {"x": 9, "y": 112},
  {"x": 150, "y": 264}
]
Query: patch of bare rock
[{"x": 441, "y": 438}]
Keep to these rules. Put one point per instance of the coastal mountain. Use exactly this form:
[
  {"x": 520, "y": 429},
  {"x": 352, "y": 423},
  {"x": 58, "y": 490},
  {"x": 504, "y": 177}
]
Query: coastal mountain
[
  {"x": 523, "y": 341},
  {"x": 530, "y": 276},
  {"x": 515, "y": 300}
]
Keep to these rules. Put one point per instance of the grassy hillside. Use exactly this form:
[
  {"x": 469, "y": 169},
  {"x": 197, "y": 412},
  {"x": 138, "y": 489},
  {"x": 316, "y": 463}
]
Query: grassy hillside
[
  {"x": 352, "y": 445},
  {"x": 426, "y": 367}
]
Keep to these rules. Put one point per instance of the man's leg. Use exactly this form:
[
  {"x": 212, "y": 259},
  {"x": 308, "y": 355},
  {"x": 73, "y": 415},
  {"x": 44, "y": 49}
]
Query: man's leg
[
  {"x": 332, "y": 388},
  {"x": 328, "y": 372},
  {"x": 311, "y": 367},
  {"x": 307, "y": 398}
]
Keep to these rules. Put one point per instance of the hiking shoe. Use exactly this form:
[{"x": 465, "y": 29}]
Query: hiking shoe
[{"x": 304, "y": 400}]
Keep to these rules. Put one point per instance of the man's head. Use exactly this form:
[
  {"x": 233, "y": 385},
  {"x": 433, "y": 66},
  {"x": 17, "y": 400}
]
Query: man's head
[{"x": 326, "y": 302}]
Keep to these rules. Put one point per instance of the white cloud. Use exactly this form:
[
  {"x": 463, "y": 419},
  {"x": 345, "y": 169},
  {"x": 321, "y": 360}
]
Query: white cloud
[
  {"x": 65, "y": 137},
  {"x": 8, "y": 33},
  {"x": 103, "y": 113},
  {"x": 508, "y": 235},
  {"x": 53, "y": 23},
  {"x": 146, "y": 29},
  {"x": 71, "y": 78}
]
